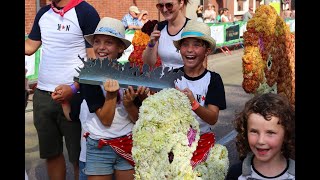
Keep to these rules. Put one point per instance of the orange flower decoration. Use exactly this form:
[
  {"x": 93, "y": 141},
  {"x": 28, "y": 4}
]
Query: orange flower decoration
[
  {"x": 269, "y": 55},
  {"x": 139, "y": 42}
]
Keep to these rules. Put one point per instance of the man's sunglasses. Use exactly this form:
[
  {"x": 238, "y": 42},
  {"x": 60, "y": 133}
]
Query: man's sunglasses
[{"x": 168, "y": 6}]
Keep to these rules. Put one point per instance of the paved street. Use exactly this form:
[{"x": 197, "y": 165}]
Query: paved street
[{"x": 230, "y": 69}]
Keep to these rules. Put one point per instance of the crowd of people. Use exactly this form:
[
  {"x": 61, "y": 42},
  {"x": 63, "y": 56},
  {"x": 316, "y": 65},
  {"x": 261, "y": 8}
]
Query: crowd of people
[
  {"x": 211, "y": 16},
  {"x": 96, "y": 121}
]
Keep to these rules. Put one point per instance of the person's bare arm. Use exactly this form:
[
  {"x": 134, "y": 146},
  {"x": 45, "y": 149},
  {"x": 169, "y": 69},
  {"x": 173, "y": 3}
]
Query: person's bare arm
[
  {"x": 149, "y": 55},
  {"x": 63, "y": 92},
  {"x": 107, "y": 111},
  {"x": 31, "y": 46},
  {"x": 90, "y": 53},
  {"x": 131, "y": 108},
  {"x": 66, "y": 110},
  {"x": 141, "y": 14},
  {"x": 128, "y": 100},
  {"x": 209, "y": 114}
]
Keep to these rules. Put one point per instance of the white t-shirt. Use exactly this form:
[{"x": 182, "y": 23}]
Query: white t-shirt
[
  {"x": 168, "y": 53},
  {"x": 121, "y": 124},
  {"x": 90, "y": 122},
  {"x": 225, "y": 18},
  {"x": 62, "y": 42},
  {"x": 57, "y": 66},
  {"x": 207, "y": 88},
  {"x": 249, "y": 172}
]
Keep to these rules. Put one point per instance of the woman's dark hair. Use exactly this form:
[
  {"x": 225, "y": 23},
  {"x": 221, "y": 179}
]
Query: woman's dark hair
[
  {"x": 185, "y": 2},
  {"x": 268, "y": 105},
  {"x": 199, "y": 7},
  {"x": 221, "y": 10}
]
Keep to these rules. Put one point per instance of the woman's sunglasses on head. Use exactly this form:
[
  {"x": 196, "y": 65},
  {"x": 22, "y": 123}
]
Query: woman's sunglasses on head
[{"x": 168, "y": 6}]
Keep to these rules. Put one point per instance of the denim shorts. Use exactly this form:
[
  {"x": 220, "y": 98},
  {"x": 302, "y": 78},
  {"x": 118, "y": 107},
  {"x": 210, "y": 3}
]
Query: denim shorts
[
  {"x": 82, "y": 175},
  {"x": 103, "y": 161}
]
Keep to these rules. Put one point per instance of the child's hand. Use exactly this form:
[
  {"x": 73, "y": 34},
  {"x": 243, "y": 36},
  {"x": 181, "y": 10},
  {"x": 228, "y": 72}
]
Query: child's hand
[
  {"x": 142, "y": 92},
  {"x": 56, "y": 95},
  {"x": 62, "y": 93},
  {"x": 111, "y": 86},
  {"x": 188, "y": 93},
  {"x": 128, "y": 96}
]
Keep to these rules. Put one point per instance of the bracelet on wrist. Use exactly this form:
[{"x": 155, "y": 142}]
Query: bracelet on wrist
[
  {"x": 74, "y": 89},
  {"x": 195, "y": 105},
  {"x": 150, "y": 45}
]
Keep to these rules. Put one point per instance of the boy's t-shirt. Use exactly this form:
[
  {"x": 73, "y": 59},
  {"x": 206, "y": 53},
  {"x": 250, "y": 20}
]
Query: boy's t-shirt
[
  {"x": 249, "y": 172},
  {"x": 207, "y": 89},
  {"x": 94, "y": 96}
]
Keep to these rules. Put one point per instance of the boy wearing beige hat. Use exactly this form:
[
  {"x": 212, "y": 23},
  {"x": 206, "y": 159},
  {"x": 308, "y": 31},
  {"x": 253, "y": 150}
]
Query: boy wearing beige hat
[
  {"x": 107, "y": 112},
  {"x": 204, "y": 88}
]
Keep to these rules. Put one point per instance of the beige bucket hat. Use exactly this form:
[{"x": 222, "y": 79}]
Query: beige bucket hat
[
  {"x": 134, "y": 9},
  {"x": 197, "y": 30},
  {"x": 111, "y": 27}
]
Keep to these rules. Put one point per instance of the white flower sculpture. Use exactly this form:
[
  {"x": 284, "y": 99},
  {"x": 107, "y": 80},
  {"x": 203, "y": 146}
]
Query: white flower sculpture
[
  {"x": 216, "y": 166},
  {"x": 165, "y": 137}
]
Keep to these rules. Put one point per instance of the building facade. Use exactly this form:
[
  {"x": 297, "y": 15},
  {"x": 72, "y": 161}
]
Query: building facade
[{"x": 117, "y": 9}]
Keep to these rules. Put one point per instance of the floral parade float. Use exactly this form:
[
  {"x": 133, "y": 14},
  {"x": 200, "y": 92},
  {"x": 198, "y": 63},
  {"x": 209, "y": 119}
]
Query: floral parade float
[
  {"x": 269, "y": 55},
  {"x": 139, "y": 42},
  {"x": 165, "y": 138},
  {"x": 166, "y": 135}
]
